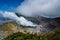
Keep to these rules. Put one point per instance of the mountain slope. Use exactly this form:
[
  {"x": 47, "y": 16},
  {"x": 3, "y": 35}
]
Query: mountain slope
[{"x": 44, "y": 26}]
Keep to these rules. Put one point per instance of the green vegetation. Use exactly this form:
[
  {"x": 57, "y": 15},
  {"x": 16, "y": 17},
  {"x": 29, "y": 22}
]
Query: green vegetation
[{"x": 27, "y": 36}]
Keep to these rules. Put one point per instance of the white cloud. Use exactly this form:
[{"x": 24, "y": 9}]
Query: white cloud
[
  {"x": 10, "y": 15},
  {"x": 20, "y": 20},
  {"x": 46, "y": 8}
]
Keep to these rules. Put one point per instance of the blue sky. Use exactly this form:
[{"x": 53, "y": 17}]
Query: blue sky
[
  {"x": 8, "y": 5},
  {"x": 45, "y": 8}
]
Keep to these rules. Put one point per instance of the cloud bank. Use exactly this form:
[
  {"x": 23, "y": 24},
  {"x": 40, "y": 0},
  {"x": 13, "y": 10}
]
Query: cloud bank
[
  {"x": 46, "y": 8},
  {"x": 20, "y": 20}
]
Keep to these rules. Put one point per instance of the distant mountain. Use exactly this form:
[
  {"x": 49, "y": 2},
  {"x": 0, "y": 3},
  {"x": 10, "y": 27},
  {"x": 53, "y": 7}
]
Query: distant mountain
[
  {"x": 44, "y": 25},
  {"x": 48, "y": 23},
  {"x": 57, "y": 19}
]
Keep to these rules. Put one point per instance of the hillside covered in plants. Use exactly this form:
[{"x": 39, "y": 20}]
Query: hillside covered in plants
[{"x": 27, "y": 36}]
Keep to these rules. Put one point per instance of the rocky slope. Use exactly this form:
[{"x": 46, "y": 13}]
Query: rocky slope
[{"x": 7, "y": 29}]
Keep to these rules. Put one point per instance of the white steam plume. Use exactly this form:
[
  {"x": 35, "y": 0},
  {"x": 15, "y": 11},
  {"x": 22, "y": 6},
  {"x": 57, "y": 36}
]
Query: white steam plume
[
  {"x": 20, "y": 20},
  {"x": 46, "y": 8},
  {"x": 25, "y": 22}
]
